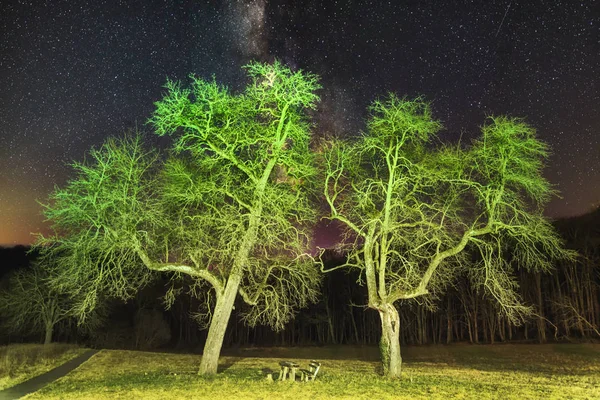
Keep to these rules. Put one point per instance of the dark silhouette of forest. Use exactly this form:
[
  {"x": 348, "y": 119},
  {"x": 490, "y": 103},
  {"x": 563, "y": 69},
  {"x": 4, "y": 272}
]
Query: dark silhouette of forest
[
  {"x": 13, "y": 258},
  {"x": 566, "y": 301}
]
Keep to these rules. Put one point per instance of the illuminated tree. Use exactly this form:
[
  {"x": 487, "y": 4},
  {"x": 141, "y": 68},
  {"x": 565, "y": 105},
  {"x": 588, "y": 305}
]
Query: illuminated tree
[
  {"x": 29, "y": 304},
  {"x": 230, "y": 210},
  {"x": 419, "y": 216}
]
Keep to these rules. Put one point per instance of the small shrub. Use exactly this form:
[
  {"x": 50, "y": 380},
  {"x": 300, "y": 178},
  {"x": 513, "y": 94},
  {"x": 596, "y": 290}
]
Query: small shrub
[
  {"x": 114, "y": 336},
  {"x": 151, "y": 330}
]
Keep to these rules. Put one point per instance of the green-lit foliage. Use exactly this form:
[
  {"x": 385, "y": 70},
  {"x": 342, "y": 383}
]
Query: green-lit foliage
[
  {"x": 413, "y": 212},
  {"x": 98, "y": 219},
  {"x": 229, "y": 210},
  {"x": 241, "y": 200}
]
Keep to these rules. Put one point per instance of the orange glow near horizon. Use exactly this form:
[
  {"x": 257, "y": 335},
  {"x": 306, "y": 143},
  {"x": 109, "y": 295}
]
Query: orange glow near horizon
[{"x": 20, "y": 218}]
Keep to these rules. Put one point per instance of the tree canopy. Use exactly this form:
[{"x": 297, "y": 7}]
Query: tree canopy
[
  {"x": 229, "y": 209},
  {"x": 29, "y": 304},
  {"x": 419, "y": 213}
]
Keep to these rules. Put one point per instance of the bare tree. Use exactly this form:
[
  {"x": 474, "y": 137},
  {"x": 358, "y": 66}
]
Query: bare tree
[
  {"x": 230, "y": 209},
  {"x": 419, "y": 216},
  {"x": 29, "y": 304}
]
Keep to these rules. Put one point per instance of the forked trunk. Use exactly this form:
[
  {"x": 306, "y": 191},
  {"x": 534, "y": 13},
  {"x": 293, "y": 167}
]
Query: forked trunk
[
  {"x": 390, "y": 341},
  {"x": 218, "y": 326}
]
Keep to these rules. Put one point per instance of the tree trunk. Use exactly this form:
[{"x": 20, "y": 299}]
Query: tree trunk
[
  {"x": 563, "y": 316},
  {"x": 469, "y": 326},
  {"x": 354, "y": 327},
  {"x": 218, "y": 326},
  {"x": 475, "y": 320},
  {"x": 501, "y": 328},
  {"x": 330, "y": 322},
  {"x": 448, "y": 326},
  {"x": 449, "y": 321},
  {"x": 48, "y": 336},
  {"x": 541, "y": 323},
  {"x": 390, "y": 341}
]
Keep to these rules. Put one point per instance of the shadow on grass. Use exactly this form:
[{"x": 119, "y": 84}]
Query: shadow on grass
[
  {"x": 337, "y": 352},
  {"x": 431, "y": 372},
  {"x": 576, "y": 359},
  {"x": 225, "y": 363}
]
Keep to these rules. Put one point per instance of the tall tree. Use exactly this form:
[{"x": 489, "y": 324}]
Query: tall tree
[
  {"x": 413, "y": 212},
  {"x": 30, "y": 305},
  {"x": 230, "y": 209}
]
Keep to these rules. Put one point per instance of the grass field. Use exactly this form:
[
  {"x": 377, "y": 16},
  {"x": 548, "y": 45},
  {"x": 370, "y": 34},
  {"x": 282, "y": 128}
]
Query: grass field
[
  {"x": 20, "y": 362},
  {"x": 566, "y": 371}
]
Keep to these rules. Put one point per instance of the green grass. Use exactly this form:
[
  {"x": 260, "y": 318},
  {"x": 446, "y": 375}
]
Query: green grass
[
  {"x": 20, "y": 362},
  {"x": 436, "y": 372}
]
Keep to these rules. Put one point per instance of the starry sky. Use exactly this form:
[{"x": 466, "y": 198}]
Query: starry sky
[{"x": 75, "y": 72}]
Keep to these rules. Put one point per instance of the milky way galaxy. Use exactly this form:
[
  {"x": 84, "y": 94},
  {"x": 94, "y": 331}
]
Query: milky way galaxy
[{"x": 75, "y": 72}]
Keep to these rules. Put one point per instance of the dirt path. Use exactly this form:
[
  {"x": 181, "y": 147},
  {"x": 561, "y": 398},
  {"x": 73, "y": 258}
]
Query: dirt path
[{"x": 40, "y": 381}]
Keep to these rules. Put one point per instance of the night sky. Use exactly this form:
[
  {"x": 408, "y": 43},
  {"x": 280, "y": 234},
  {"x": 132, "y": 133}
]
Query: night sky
[{"x": 75, "y": 72}]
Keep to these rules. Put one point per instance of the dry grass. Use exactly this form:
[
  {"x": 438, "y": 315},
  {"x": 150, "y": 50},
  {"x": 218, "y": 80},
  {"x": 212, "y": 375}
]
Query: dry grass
[
  {"x": 19, "y": 362},
  {"x": 482, "y": 372}
]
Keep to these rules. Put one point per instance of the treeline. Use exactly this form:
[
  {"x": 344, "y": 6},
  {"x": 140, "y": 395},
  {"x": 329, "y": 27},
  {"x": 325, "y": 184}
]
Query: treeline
[
  {"x": 567, "y": 307},
  {"x": 566, "y": 302}
]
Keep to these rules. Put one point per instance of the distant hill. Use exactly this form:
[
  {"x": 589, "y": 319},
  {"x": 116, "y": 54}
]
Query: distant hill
[
  {"x": 13, "y": 257},
  {"x": 583, "y": 230}
]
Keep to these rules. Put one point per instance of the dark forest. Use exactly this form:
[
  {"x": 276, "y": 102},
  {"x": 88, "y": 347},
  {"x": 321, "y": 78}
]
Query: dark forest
[{"x": 567, "y": 303}]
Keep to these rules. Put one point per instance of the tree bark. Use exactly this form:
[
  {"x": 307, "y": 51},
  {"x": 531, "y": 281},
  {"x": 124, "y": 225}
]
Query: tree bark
[
  {"x": 541, "y": 323},
  {"x": 390, "y": 341},
  {"x": 329, "y": 320},
  {"x": 218, "y": 326},
  {"x": 354, "y": 327},
  {"x": 448, "y": 322},
  {"x": 48, "y": 336}
]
